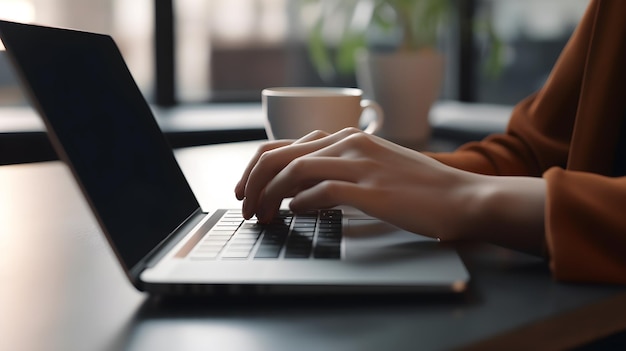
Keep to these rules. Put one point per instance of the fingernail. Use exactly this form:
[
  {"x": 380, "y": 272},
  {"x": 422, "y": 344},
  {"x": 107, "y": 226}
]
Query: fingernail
[
  {"x": 238, "y": 192},
  {"x": 261, "y": 216},
  {"x": 245, "y": 211}
]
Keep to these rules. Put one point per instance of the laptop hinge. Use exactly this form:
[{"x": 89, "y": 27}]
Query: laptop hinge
[{"x": 167, "y": 244}]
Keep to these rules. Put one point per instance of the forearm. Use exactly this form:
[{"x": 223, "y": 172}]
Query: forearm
[{"x": 507, "y": 211}]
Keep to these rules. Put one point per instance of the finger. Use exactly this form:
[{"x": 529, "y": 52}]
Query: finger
[
  {"x": 301, "y": 174},
  {"x": 314, "y": 135},
  {"x": 328, "y": 194},
  {"x": 352, "y": 143},
  {"x": 240, "y": 187},
  {"x": 271, "y": 162}
]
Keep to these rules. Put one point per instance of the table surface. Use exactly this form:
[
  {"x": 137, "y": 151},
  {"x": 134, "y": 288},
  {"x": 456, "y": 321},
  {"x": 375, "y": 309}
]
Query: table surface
[{"x": 63, "y": 290}]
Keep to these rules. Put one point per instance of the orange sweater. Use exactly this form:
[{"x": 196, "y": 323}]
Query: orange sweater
[{"x": 569, "y": 133}]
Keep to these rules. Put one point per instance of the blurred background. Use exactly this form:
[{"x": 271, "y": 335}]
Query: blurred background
[{"x": 227, "y": 50}]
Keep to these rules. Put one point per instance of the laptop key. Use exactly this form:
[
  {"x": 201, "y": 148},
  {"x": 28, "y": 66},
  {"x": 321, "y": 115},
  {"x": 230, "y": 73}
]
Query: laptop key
[
  {"x": 297, "y": 253},
  {"x": 298, "y": 247},
  {"x": 268, "y": 251},
  {"x": 236, "y": 254},
  {"x": 327, "y": 252}
]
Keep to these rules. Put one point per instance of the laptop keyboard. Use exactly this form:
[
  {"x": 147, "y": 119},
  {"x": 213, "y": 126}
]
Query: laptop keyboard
[{"x": 315, "y": 234}]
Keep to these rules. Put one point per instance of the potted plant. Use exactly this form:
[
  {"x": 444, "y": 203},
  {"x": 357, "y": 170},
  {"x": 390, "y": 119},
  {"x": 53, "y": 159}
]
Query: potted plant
[{"x": 391, "y": 45}]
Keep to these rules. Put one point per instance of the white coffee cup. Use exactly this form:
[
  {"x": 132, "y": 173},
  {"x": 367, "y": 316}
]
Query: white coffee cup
[{"x": 293, "y": 112}]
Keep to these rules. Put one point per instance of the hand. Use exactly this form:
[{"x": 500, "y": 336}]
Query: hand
[
  {"x": 395, "y": 184},
  {"x": 382, "y": 179}
]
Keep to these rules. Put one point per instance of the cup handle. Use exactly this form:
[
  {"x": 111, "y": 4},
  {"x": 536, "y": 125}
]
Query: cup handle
[{"x": 375, "y": 125}]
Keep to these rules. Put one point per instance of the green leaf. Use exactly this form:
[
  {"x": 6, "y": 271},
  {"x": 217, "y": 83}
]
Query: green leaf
[
  {"x": 318, "y": 51},
  {"x": 419, "y": 22},
  {"x": 346, "y": 53}
]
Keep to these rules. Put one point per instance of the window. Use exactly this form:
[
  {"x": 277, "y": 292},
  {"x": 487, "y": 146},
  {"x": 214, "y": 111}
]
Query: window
[
  {"x": 227, "y": 50},
  {"x": 18, "y": 10},
  {"x": 533, "y": 33},
  {"x": 230, "y": 49},
  {"x": 129, "y": 22}
]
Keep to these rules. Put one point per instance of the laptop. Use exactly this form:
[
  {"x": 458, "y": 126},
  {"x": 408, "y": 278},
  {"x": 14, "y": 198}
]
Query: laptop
[{"x": 103, "y": 129}]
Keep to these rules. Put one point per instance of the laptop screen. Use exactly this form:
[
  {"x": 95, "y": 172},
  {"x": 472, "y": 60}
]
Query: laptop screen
[{"x": 92, "y": 105}]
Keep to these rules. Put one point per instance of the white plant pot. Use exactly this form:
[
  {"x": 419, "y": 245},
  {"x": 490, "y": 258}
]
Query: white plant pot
[{"x": 406, "y": 85}]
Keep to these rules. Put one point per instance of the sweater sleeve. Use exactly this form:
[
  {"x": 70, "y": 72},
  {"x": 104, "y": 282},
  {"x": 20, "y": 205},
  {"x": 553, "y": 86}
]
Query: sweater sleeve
[
  {"x": 586, "y": 226},
  {"x": 534, "y": 141}
]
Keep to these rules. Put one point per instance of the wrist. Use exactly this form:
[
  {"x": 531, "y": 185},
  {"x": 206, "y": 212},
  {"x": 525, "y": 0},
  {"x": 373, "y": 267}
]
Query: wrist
[{"x": 507, "y": 211}]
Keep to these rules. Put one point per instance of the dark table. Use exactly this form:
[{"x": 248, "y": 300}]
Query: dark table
[{"x": 61, "y": 288}]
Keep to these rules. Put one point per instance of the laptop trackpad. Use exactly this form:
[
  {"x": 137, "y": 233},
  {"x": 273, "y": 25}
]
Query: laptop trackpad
[{"x": 372, "y": 239}]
